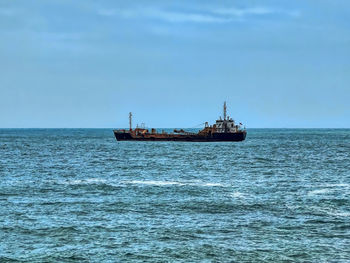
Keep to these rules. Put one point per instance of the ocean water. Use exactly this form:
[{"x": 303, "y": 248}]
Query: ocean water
[{"x": 77, "y": 195}]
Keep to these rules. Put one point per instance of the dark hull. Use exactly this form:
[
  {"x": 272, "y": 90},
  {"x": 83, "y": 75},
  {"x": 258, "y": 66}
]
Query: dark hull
[{"x": 215, "y": 137}]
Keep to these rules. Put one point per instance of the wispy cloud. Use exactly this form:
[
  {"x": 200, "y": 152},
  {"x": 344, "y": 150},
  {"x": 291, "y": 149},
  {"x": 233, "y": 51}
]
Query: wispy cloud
[
  {"x": 168, "y": 16},
  {"x": 239, "y": 12},
  {"x": 177, "y": 17},
  {"x": 254, "y": 12},
  {"x": 219, "y": 15}
]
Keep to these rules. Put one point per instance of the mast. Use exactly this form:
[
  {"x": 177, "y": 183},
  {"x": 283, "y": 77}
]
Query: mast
[
  {"x": 225, "y": 110},
  {"x": 130, "y": 121},
  {"x": 225, "y": 124}
]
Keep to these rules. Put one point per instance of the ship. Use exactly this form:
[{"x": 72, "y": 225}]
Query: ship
[{"x": 225, "y": 129}]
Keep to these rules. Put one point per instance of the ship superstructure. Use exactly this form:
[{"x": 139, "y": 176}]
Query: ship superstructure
[{"x": 224, "y": 129}]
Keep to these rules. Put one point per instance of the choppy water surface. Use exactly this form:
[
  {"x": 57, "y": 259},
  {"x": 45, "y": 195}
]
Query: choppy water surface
[{"x": 80, "y": 196}]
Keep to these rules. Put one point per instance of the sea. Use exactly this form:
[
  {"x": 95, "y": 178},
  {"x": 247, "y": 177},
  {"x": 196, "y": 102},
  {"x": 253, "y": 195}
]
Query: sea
[{"x": 78, "y": 195}]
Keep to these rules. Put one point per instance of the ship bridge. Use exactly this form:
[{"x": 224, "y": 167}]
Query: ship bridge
[{"x": 227, "y": 124}]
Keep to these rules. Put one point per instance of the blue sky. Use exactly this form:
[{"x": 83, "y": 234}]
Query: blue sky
[{"x": 88, "y": 63}]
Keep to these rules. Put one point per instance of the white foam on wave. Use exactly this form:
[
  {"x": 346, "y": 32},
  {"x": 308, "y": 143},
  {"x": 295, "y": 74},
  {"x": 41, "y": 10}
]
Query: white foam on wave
[
  {"x": 333, "y": 212},
  {"x": 169, "y": 183},
  {"x": 84, "y": 181},
  {"x": 338, "y": 185},
  {"x": 209, "y": 184},
  {"x": 237, "y": 195},
  {"x": 141, "y": 182},
  {"x": 330, "y": 188},
  {"x": 339, "y": 213},
  {"x": 319, "y": 191},
  {"x": 160, "y": 183}
]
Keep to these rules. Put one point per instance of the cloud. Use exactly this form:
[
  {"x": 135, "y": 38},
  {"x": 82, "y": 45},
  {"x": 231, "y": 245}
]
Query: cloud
[
  {"x": 220, "y": 15},
  {"x": 244, "y": 12},
  {"x": 177, "y": 17},
  {"x": 255, "y": 11},
  {"x": 167, "y": 16}
]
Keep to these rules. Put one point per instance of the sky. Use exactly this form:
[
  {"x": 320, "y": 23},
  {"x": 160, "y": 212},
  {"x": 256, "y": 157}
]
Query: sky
[{"x": 87, "y": 63}]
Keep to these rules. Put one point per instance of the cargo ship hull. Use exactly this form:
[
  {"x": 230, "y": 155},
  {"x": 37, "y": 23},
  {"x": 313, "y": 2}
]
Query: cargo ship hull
[{"x": 214, "y": 137}]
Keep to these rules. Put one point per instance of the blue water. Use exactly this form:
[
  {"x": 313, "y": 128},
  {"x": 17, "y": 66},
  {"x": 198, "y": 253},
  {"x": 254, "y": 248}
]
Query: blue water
[{"x": 77, "y": 195}]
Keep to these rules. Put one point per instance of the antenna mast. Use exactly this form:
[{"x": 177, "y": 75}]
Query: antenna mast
[
  {"x": 130, "y": 121},
  {"x": 225, "y": 110}
]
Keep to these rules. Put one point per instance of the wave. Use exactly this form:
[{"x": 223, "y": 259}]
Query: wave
[
  {"x": 210, "y": 184},
  {"x": 337, "y": 185},
  {"x": 114, "y": 182},
  {"x": 319, "y": 191},
  {"x": 329, "y": 188},
  {"x": 159, "y": 183},
  {"x": 169, "y": 183},
  {"x": 338, "y": 213},
  {"x": 237, "y": 195},
  {"x": 84, "y": 181},
  {"x": 333, "y": 212}
]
